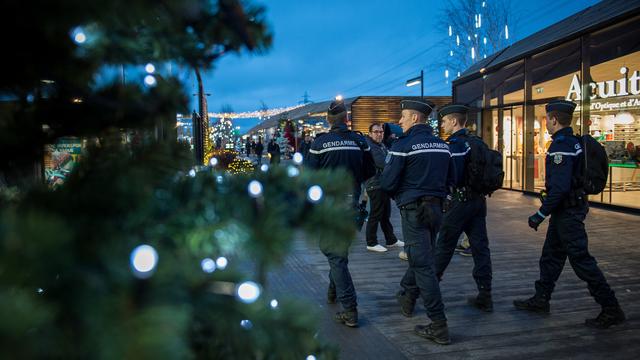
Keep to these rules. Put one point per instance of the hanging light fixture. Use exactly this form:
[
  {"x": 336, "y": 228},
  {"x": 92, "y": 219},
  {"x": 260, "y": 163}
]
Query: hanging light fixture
[{"x": 506, "y": 32}]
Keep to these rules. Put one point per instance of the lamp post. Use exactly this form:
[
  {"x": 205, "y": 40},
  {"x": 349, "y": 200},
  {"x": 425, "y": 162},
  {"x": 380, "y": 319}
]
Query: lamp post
[{"x": 416, "y": 81}]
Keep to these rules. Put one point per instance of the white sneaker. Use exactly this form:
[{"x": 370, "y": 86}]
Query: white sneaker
[
  {"x": 377, "y": 248},
  {"x": 403, "y": 255},
  {"x": 397, "y": 243}
]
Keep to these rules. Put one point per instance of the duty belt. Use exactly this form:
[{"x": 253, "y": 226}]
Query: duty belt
[{"x": 423, "y": 200}]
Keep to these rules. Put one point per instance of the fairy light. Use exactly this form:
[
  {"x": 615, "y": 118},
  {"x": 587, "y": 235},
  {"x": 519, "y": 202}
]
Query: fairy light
[
  {"x": 144, "y": 259},
  {"x": 149, "y": 68}
]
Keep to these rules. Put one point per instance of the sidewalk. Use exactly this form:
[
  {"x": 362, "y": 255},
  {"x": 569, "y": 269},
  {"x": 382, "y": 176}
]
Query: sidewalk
[{"x": 504, "y": 334}]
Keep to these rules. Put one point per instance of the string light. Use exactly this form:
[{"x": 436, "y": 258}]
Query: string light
[
  {"x": 450, "y": 30},
  {"x": 144, "y": 259},
  {"x": 149, "y": 68},
  {"x": 314, "y": 194},
  {"x": 297, "y": 158},
  {"x": 311, "y": 357},
  {"x": 446, "y": 73},
  {"x": 457, "y": 40},
  {"x": 506, "y": 32},
  {"x": 264, "y": 167},
  {"x": 150, "y": 80},
  {"x": 213, "y": 161},
  {"x": 473, "y": 52},
  {"x": 255, "y": 188},
  {"x": 274, "y": 303},
  {"x": 246, "y": 324},
  {"x": 293, "y": 171},
  {"x": 222, "y": 262},
  {"x": 192, "y": 173},
  {"x": 78, "y": 36},
  {"x": 248, "y": 292},
  {"x": 208, "y": 265}
]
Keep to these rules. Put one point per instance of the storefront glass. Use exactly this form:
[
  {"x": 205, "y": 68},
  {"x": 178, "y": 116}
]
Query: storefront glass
[{"x": 615, "y": 108}]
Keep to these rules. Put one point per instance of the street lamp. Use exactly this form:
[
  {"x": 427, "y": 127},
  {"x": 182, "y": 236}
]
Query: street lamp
[{"x": 416, "y": 81}]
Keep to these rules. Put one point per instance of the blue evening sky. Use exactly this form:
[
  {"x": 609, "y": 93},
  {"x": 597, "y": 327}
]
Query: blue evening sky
[{"x": 327, "y": 47}]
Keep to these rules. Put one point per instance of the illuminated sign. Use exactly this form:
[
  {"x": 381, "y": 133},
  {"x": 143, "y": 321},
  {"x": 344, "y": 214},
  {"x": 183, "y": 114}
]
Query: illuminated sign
[{"x": 607, "y": 89}]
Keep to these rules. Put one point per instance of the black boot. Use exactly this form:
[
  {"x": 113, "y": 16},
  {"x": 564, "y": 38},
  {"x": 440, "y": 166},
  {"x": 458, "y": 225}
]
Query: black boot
[
  {"x": 609, "y": 316},
  {"x": 437, "y": 332},
  {"x": 483, "y": 301},
  {"x": 347, "y": 317},
  {"x": 537, "y": 303},
  {"x": 407, "y": 304},
  {"x": 331, "y": 296}
]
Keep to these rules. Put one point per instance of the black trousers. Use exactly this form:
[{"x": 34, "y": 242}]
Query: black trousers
[
  {"x": 471, "y": 217},
  {"x": 419, "y": 239},
  {"x": 567, "y": 238},
  {"x": 380, "y": 213}
]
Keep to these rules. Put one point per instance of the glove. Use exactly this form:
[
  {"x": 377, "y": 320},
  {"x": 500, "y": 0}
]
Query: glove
[{"x": 535, "y": 220}]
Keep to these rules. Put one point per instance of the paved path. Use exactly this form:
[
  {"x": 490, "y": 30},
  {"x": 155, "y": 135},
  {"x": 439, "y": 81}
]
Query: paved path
[{"x": 504, "y": 334}]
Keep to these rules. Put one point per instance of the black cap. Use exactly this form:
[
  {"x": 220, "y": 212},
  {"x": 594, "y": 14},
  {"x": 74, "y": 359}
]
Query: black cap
[
  {"x": 336, "y": 107},
  {"x": 423, "y": 106},
  {"x": 453, "y": 108},
  {"x": 562, "y": 106}
]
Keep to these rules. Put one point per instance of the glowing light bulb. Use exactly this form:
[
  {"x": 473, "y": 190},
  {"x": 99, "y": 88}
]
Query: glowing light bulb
[
  {"x": 150, "y": 80},
  {"x": 213, "y": 161},
  {"x": 149, "y": 68},
  {"x": 246, "y": 324},
  {"x": 293, "y": 171},
  {"x": 255, "y": 188},
  {"x": 208, "y": 265},
  {"x": 297, "y": 158},
  {"x": 311, "y": 357},
  {"x": 144, "y": 259},
  {"x": 78, "y": 36},
  {"x": 192, "y": 173},
  {"x": 274, "y": 303},
  {"x": 314, "y": 194},
  {"x": 222, "y": 262},
  {"x": 264, "y": 167},
  {"x": 248, "y": 292}
]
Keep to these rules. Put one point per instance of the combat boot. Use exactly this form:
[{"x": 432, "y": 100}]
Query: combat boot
[
  {"x": 331, "y": 296},
  {"x": 407, "y": 304},
  {"x": 347, "y": 317},
  {"x": 537, "y": 303},
  {"x": 437, "y": 332},
  {"x": 482, "y": 302},
  {"x": 609, "y": 316}
]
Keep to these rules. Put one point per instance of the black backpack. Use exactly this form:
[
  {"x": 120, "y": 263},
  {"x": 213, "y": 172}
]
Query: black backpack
[
  {"x": 483, "y": 167},
  {"x": 595, "y": 166}
]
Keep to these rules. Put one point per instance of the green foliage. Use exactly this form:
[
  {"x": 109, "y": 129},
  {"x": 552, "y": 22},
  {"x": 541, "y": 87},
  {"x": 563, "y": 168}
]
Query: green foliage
[{"x": 67, "y": 286}]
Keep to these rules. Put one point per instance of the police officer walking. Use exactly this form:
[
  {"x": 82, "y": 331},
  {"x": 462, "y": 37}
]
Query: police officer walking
[
  {"x": 467, "y": 211},
  {"x": 418, "y": 172},
  {"x": 567, "y": 206},
  {"x": 341, "y": 148}
]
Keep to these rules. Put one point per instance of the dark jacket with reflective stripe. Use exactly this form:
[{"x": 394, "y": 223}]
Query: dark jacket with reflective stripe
[
  {"x": 341, "y": 148},
  {"x": 419, "y": 164},
  {"x": 379, "y": 154},
  {"x": 460, "y": 148},
  {"x": 561, "y": 163}
]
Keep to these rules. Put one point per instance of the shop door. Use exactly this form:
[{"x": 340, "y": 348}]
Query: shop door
[{"x": 513, "y": 147}]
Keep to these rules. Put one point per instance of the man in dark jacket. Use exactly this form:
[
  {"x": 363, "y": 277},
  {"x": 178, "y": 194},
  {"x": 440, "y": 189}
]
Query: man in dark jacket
[
  {"x": 259, "y": 150},
  {"x": 379, "y": 200},
  {"x": 418, "y": 173},
  {"x": 274, "y": 150},
  {"x": 566, "y": 204},
  {"x": 341, "y": 149},
  {"x": 468, "y": 210}
]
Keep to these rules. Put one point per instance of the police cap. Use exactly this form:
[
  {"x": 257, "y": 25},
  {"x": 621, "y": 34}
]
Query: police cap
[
  {"x": 336, "y": 107},
  {"x": 423, "y": 106},
  {"x": 453, "y": 108},
  {"x": 562, "y": 106}
]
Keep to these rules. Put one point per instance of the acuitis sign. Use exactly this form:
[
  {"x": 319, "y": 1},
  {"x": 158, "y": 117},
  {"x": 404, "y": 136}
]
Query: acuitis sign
[{"x": 629, "y": 84}]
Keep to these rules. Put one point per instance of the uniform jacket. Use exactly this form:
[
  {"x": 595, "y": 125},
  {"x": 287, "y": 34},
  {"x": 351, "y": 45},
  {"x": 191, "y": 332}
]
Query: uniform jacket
[
  {"x": 561, "y": 163},
  {"x": 419, "y": 164},
  {"x": 342, "y": 148},
  {"x": 460, "y": 148},
  {"x": 379, "y": 154}
]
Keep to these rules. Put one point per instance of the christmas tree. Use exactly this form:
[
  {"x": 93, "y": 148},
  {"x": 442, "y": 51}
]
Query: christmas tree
[{"x": 140, "y": 253}]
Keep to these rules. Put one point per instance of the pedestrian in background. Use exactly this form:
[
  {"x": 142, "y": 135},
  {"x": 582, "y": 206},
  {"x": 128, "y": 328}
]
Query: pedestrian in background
[{"x": 378, "y": 199}]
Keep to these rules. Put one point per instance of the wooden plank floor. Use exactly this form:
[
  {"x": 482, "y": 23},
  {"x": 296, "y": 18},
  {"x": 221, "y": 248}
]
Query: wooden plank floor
[{"x": 504, "y": 334}]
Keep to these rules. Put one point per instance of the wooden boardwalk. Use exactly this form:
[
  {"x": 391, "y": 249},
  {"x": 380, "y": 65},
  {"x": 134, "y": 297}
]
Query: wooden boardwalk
[{"x": 504, "y": 334}]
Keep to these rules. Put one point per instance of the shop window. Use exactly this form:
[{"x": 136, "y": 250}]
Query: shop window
[
  {"x": 615, "y": 107},
  {"x": 555, "y": 71},
  {"x": 506, "y": 85}
]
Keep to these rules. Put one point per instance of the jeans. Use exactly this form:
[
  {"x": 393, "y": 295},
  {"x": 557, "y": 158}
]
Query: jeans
[
  {"x": 340, "y": 281},
  {"x": 470, "y": 217},
  {"x": 419, "y": 238},
  {"x": 567, "y": 238},
  {"x": 380, "y": 213}
]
